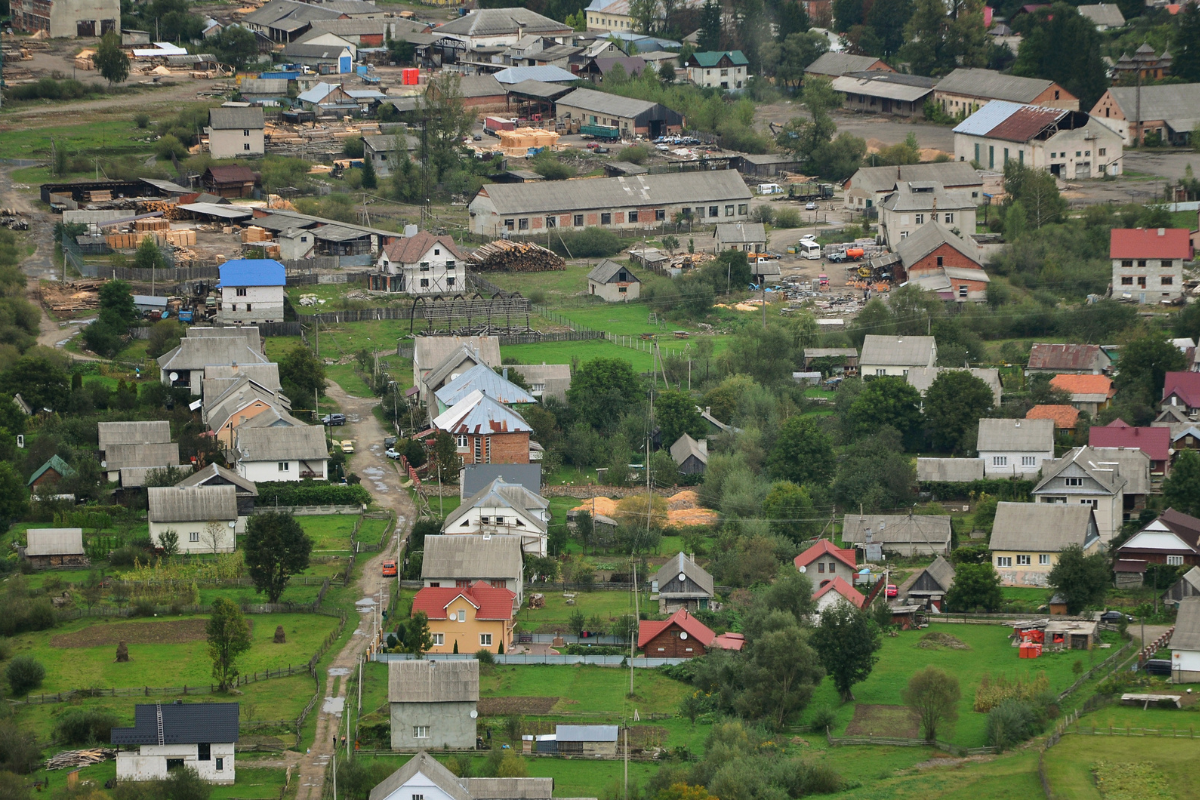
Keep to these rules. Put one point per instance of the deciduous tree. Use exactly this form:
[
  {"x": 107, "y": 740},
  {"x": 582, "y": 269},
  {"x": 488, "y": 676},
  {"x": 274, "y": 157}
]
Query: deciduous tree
[
  {"x": 276, "y": 549},
  {"x": 675, "y": 413},
  {"x": 1082, "y": 580},
  {"x": 802, "y": 453},
  {"x": 848, "y": 642},
  {"x": 602, "y": 390},
  {"x": 934, "y": 695},
  {"x": 976, "y": 587},
  {"x": 886, "y": 400},
  {"x": 228, "y": 638},
  {"x": 111, "y": 61},
  {"x": 954, "y": 404},
  {"x": 1145, "y": 363}
]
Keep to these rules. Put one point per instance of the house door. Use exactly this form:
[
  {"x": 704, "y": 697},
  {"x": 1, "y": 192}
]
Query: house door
[{"x": 887, "y": 106}]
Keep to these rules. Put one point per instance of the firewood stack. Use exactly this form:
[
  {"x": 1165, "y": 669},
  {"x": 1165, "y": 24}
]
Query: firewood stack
[{"x": 504, "y": 255}]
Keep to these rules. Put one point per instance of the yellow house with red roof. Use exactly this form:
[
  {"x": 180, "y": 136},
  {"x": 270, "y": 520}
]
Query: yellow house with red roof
[{"x": 468, "y": 619}]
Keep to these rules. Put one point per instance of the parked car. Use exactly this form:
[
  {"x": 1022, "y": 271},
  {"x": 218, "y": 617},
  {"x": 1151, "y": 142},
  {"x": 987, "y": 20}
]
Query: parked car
[
  {"x": 334, "y": 419},
  {"x": 1114, "y": 617},
  {"x": 389, "y": 569},
  {"x": 891, "y": 590},
  {"x": 347, "y": 446},
  {"x": 392, "y": 454},
  {"x": 810, "y": 206},
  {"x": 1158, "y": 666},
  {"x": 389, "y": 441},
  {"x": 478, "y": 138}
]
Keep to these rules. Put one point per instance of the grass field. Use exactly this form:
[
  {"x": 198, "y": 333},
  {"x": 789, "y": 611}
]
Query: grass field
[
  {"x": 162, "y": 652},
  {"x": 607, "y": 604},
  {"x": 329, "y": 532},
  {"x": 346, "y": 376},
  {"x": 587, "y": 689},
  {"x": 990, "y": 652},
  {"x": 1071, "y": 765}
]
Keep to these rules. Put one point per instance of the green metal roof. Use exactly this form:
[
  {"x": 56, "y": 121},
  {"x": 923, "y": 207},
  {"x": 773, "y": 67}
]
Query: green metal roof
[
  {"x": 55, "y": 463},
  {"x": 711, "y": 59}
]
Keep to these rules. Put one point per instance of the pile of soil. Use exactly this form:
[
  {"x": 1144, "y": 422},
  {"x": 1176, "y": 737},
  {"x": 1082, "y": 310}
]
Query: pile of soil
[
  {"x": 935, "y": 641},
  {"x": 683, "y": 508}
]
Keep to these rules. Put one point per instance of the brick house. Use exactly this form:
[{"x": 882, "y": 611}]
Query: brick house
[
  {"x": 939, "y": 261},
  {"x": 52, "y": 471},
  {"x": 486, "y": 432},
  {"x": 1148, "y": 263},
  {"x": 682, "y": 636}
]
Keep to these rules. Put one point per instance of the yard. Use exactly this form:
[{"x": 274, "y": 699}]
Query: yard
[{"x": 1134, "y": 767}]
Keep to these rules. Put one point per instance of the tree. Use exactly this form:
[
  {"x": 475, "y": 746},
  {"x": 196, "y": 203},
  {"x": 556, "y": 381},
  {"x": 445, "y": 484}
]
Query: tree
[
  {"x": 164, "y": 337},
  {"x": 602, "y": 390},
  {"x": 934, "y": 695},
  {"x": 1185, "y": 52},
  {"x": 1144, "y": 365},
  {"x": 796, "y": 52},
  {"x": 445, "y": 458},
  {"x": 110, "y": 60},
  {"x": 764, "y": 354},
  {"x": 802, "y": 453},
  {"x": 886, "y": 400},
  {"x": 24, "y": 673},
  {"x": 14, "y": 497},
  {"x": 1037, "y": 191},
  {"x": 446, "y": 123},
  {"x": 301, "y": 374},
  {"x": 782, "y": 672},
  {"x": 954, "y": 403},
  {"x": 369, "y": 181},
  {"x": 168, "y": 542},
  {"x": 228, "y": 637},
  {"x": 148, "y": 256},
  {"x": 236, "y": 46},
  {"x": 1063, "y": 46},
  {"x": 804, "y": 137},
  {"x": 213, "y": 536},
  {"x": 666, "y": 73},
  {"x": 938, "y": 42},
  {"x": 847, "y": 640},
  {"x": 675, "y": 414},
  {"x": 887, "y": 19},
  {"x": 642, "y": 12},
  {"x": 417, "y": 638},
  {"x": 92, "y": 591},
  {"x": 875, "y": 474},
  {"x": 1181, "y": 490},
  {"x": 116, "y": 299},
  {"x": 1082, "y": 581},
  {"x": 276, "y": 548},
  {"x": 1016, "y": 218},
  {"x": 709, "y": 38},
  {"x": 976, "y": 586},
  {"x": 791, "y": 511},
  {"x": 40, "y": 380}
]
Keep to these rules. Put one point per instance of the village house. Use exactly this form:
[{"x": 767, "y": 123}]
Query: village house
[
  {"x": 596, "y": 69},
  {"x": 125, "y": 433},
  {"x": 1090, "y": 393},
  {"x": 690, "y": 455},
  {"x": 749, "y": 237},
  {"x": 1154, "y": 442},
  {"x": 1168, "y": 112},
  {"x": 613, "y": 282},
  {"x": 128, "y": 463},
  {"x": 546, "y": 380},
  {"x": 1087, "y": 477},
  {"x": 1064, "y": 417},
  {"x": 1105, "y": 16},
  {"x": 486, "y": 431},
  {"x": 482, "y": 378},
  {"x": 387, "y": 150},
  {"x": 1014, "y": 447},
  {"x": 281, "y": 453},
  {"x": 966, "y": 90},
  {"x": 942, "y": 262},
  {"x": 931, "y": 585},
  {"x": 524, "y": 209},
  {"x": 185, "y": 365},
  {"x": 1027, "y": 539},
  {"x": 50, "y": 473},
  {"x": 823, "y": 562},
  {"x": 501, "y": 509},
  {"x": 1068, "y": 359},
  {"x": 251, "y": 291},
  {"x": 1148, "y": 263},
  {"x": 912, "y": 204},
  {"x": 247, "y": 402},
  {"x": 725, "y": 69},
  {"x": 437, "y": 360},
  {"x": 949, "y": 470},
  {"x": 921, "y": 378},
  {"x": 1181, "y": 390},
  {"x": 683, "y": 636},
  {"x": 47, "y": 548},
  {"x": 205, "y": 518},
  {"x": 681, "y": 583},
  {"x": 474, "y": 477},
  {"x": 425, "y": 777},
  {"x": 1172, "y": 539},
  {"x": 467, "y": 619},
  {"x": 288, "y": 20},
  {"x": 502, "y": 27},
  {"x": 232, "y": 181},
  {"x": 433, "y": 703},
  {"x": 867, "y": 187},
  {"x": 1067, "y": 144},
  {"x": 236, "y": 132},
  {"x": 831, "y": 360},
  {"x": 896, "y": 355},
  {"x": 66, "y": 19},
  {"x": 905, "y": 535},
  {"x": 833, "y": 592},
  {"x": 421, "y": 264},
  {"x": 466, "y": 559},
  {"x": 215, "y": 475},
  {"x": 198, "y": 736},
  {"x": 1186, "y": 586},
  {"x": 882, "y": 92},
  {"x": 1185, "y": 642},
  {"x": 832, "y": 65}
]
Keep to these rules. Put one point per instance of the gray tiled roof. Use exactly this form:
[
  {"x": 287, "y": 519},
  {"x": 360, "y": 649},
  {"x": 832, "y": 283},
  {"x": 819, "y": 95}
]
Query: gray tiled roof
[
  {"x": 234, "y": 118},
  {"x": 1091, "y": 461},
  {"x": 282, "y": 444},
  {"x": 471, "y": 557},
  {"x": 193, "y": 504},
  {"x": 840, "y": 64},
  {"x": 54, "y": 542},
  {"x": 182, "y": 723},
  {"x": 607, "y": 269},
  {"x": 685, "y": 447},
  {"x": 689, "y": 188},
  {"x": 1178, "y": 104},
  {"x": 428, "y": 681},
  {"x": 992, "y": 85},
  {"x": 502, "y": 22},
  {"x": 949, "y": 470},
  {"x": 913, "y": 351},
  {"x": 681, "y": 563},
  {"x": 927, "y": 238},
  {"x": 215, "y": 471},
  {"x": 1040, "y": 527},
  {"x": 424, "y": 764},
  {"x": 910, "y": 196},
  {"x": 953, "y": 174},
  {"x": 431, "y": 351},
  {"x": 897, "y": 529},
  {"x": 160, "y": 454},
  {"x": 147, "y": 432},
  {"x": 198, "y": 353}
]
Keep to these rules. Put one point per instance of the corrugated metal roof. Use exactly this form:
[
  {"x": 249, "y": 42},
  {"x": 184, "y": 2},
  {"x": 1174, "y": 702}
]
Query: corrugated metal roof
[
  {"x": 252, "y": 272},
  {"x": 433, "y": 352},
  {"x": 612, "y": 104},
  {"x": 546, "y": 74},
  {"x": 608, "y": 269},
  {"x": 476, "y": 477},
  {"x": 1026, "y": 123},
  {"x": 1106, "y": 14},
  {"x": 586, "y": 733},
  {"x": 198, "y": 353},
  {"x": 1187, "y": 625},
  {"x": 841, "y": 63},
  {"x": 1040, "y": 527},
  {"x": 1172, "y": 102},
  {"x": 135, "y": 477},
  {"x": 182, "y": 723},
  {"x": 478, "y": 413},
  {"x": 986, "y": 118},
  {"x": 949, "y": 470},
  {"x": 502, "y": 495},
  {"x": 682, "y": 564},
  {"x": 503, "y": 22},
  {"x": 927, "y": 238},
  {"x": 741, "y": 233},
  {"x": 689, "y": 188},
  {"x": 158, "y": 454},
  {"x": 54, "y": 542},
  {"x": 471, "y": 557},
  {"x": 282, "y": 444},
  {"x": 897, "y": 529},
  {"x": 192, "y": 504},
  {"x": 484, "y": 379},
  {"x": 214, "y": 210},
  {"x": 146, "y": 432},
  {"x": 427, "y": 681},
  {"x": 686, "y": 447},
  {"x": 992, "y": 85},
  {"x": 422, "y": 764},
  {"x": 1069, "y": 357},
  {"x": 950, "y": 174},
  {"x": 876, "y": 84}
]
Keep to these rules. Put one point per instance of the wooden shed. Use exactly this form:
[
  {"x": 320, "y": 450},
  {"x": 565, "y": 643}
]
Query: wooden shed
[{"x": 47, "y": 548}]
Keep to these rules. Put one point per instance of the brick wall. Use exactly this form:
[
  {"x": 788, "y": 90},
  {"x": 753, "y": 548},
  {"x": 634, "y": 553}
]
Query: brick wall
[
  {"x": 950, "y": 258},
  {"x": 504, "y": 448}
]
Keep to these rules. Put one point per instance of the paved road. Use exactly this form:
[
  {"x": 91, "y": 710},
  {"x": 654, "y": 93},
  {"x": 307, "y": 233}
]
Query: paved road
[{"x": 382, "y": 479}]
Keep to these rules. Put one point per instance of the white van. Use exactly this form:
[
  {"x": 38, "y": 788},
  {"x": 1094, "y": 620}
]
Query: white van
[
  {"x": 809, "y": 249},
  {"x": 770, "y": 188}
]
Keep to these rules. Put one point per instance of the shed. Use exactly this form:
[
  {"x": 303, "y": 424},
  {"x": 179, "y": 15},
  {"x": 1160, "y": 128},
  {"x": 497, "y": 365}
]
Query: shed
[
  {"x": 690, "y": 455},
  {"x": 433, "y": 703},
  {"x": 932, "y": 583},
  {"x": 1186, "y": 586},
  {"x": 613, "y": 282},
  {"x": 949, "y": 470},
  {"x": 54, "y": 470},
  {"x": 587, "y": 740},
  {"x": 54, "y": 547}
]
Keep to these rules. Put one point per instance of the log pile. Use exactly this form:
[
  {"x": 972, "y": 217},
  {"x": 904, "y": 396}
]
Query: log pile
[
  {"x": 73, "y": 759},
  {"x": 83, "y": 295},
  {"x": 505, "y": 255}
]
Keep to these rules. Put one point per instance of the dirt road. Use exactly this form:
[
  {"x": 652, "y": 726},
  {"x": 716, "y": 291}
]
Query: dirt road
[{"x": 382, "y": 480}]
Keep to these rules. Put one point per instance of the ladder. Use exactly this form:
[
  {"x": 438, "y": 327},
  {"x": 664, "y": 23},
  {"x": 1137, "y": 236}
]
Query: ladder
[
  {"x": 653, "y": 318},
  {"x": 158, "y": 712}
]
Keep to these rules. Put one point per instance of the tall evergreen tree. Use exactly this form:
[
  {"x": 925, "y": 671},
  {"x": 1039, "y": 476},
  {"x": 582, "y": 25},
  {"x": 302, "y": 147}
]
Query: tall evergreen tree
[
  {"x": 710, "y": 26},
  {"x": 1063, "y": 46},
  {"x": 1186, "y": 50}
]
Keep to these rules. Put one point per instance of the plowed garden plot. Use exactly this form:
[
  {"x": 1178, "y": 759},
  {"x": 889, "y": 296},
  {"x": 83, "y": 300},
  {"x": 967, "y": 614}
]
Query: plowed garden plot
[
  {"x": 507, "y": 706},
  {"x": 167, "y": 632},
  {"x": 890, "y": 721}
]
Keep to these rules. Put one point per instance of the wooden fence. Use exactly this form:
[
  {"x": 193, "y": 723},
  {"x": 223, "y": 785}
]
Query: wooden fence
[
  {"x": 1096, "y": 670},
  {"x": 538, "y": 338},
  {"x": 895, "y": 741}
]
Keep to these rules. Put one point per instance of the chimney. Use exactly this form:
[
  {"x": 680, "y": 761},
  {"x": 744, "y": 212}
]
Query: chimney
[{"x": 1162, "y": 231}]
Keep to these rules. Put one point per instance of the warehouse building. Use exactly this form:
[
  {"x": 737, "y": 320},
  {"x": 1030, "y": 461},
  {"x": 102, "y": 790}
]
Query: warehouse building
[
  {"x": 524, "y": 209},
  {"x": 67, "y": 18},
  {"x": 1068, "y": 144},
  {"x": 881, "y": 92},
  {"x": 965, "y": 91},
  {"x": 630, "y": 115}
]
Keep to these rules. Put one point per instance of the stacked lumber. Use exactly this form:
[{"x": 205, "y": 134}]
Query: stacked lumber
[
  {"x": 255, "y": 234},
  {"x": 152, "y": 224},
  {"x": 169, "y": 208},
  {"x": 124, "y": 241},
  {"x": 184, "y": 238},
  {"x": 99, "y": 196},
  {"x": 73, "y": 759},
  {"x": 68, "y": 298},
  {"x": 509, "y": 256}
]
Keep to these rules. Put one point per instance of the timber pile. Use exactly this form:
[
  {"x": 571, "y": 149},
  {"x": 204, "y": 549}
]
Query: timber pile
[
  {"x": 504, "y": 255},
  {"x": 73, "y": 759},
  {"x": 67, "y": 298}
]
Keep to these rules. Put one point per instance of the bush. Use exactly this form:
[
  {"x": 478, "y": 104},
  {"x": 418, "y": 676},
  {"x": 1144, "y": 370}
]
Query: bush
[
  {"x": 1010, "y": 723},
  {"x": 822, "y": 719},
  {"x": 587, "y": 243},
  {"x": 787, "y": 218},
  {"x": 485, "y": 657},
  {"x": 764, "y": 214},
  {"x": 309, "y": 493},
  {"x": 82, "y": 726},
  {"x": 19, "y": 751},
  {"x": 24, "y": 673},
  {"x": 124, "y": 556},
  {"x": 143, "y": 608},
  {"x": 635, "y": 154},
  {"x": 141, "y": 120}
]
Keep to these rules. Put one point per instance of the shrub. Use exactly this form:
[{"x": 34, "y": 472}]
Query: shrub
[
  {"x": 635, "y": 154},
  {"x": 124, "y": 556},
  {"x": 994, "y": 691},
  {"x": 141, "y": 120},
  {"x": 143, "y": 608},
  {"x": 1010, "y": 723},
  {"x": 19, "y": 751},
  {"x": 85, "y": 725},
  {"x": 587, "y": 243},
  {"x": 24, "y": 673},
  {"x": 764, "y": 214},
  {"x": 822, "y": 718},
  {"x": 309, "y": 493},
  {"x": 485, "y": 657},
  {"x": 787, "y": 218}
]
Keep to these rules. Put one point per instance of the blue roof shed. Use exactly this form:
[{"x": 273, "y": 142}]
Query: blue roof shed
[{"x": 252, "y": 272}]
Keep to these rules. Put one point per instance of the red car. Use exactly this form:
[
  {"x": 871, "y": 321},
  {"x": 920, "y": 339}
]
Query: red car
[
  {"x": 389, "y": 569},
  {"x": 891, "y": 590}
]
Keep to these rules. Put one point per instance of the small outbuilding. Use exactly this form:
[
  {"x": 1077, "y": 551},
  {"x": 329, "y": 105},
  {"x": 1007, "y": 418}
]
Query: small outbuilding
[
  {"x": 598, "y": 741},
  {"x": 932, "y": 584},
  {"x": 690, "y": 455},
  {"x": 47, "y": 548},
  {"x": 682, "y": 583},
  {"x": 433, "y": 703},
  {"x": 613, "y": 282}
]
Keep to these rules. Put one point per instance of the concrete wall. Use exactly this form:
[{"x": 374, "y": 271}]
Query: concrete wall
[
  {"x": 258, "y": 304},
  {"x": 449, "y": 725},
  {"x": 615, "y": 292},
  {"x": 236, "y": 143},
  {"x": 1099, "y": 152},
  {"x": 260, "y": 471},
  {"x": 189, "y": 530},
  {"x": 1143, "y": 279},
  {"x": 899, "y": 225},
  {"x": 150, "y": 763}
]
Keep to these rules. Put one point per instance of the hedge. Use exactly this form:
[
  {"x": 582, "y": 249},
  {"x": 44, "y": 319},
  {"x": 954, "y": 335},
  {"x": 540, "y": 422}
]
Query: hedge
[
  {"x": 1000, "y": 488},
  {"x": 311, "y": 493}
]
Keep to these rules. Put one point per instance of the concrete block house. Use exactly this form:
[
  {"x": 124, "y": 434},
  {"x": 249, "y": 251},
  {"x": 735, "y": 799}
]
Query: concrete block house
[
  {"x": 433, "y": 703},
  {"x": 1148, "y": 263},
  {"x": 199, "y": 736}
]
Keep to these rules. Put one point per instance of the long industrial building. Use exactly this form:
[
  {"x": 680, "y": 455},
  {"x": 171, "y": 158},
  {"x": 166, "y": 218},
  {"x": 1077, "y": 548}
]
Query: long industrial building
[{"x": 524, "y": 209}]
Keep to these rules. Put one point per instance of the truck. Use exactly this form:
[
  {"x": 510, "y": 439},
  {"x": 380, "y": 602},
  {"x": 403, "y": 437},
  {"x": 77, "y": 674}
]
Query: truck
[
  {"x": 607, "y": 132},
  {"x": 493, "y": 124},
  {"x": 810, "y": 191}
]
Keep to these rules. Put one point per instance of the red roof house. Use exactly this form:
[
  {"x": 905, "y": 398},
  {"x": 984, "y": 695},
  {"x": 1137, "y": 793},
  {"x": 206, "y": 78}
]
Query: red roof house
[
  {"x": 1182, "y": 389},
  {"x": 1147, "y": 263},
  {"x": 838, "y": 588},
  {"x": 1090, "y": 393},
  {"x": 1159, "y": 243},
  {"x": 476, "y": 617},
  {"x": 1154, "y": 442},
  {"x": 682, "y": 636},
  {"x": 1064, "y": 417}
]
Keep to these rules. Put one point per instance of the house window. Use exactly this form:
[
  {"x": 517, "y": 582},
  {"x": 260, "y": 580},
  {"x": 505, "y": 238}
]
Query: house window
[
  {"x": 523, "y": 224},
  {"x": 420, "y": 732},
  {"x": 820, "y": 566},
  {"x": 461, "y": 440},
  {"x": 204, "y": 752},
  {"x": 1073, "y": 481},
  {"x": 1092, "y": 503},
  {"x": 949, "y": 219},
  {"x": 241, "y": 292},
  {"x": 1127, "y": 280},
  {"x": 714, "y": 211},
  {"x": 424, "y": 283},
  {"x": 660, "y": 214},
  {"x": 880, "y": 371},
  {"x": 743, "y": 209},
  {"x": 194, "y": 536},
  {"x": 1022, "y": 561},
  {"x": 551, "y": 222},
  {"x": 1028, "y": 461},
  {"x": 439, "y": 639},
  {"x": 220, "y": 764},
  {"x": 1044, "y": 559},
  {"x": 606, "y": 219},
  {"x": 246, "y": 146},
  {"x": 939, "y": 261},
  {"x": 485, "y": 640},
  {"x": 478, "y": 449},
  {"x": 1167, "y": 280},
  {"x": 999, "y": 461},
  {"x": 1141, "y": 262},
  {"x": 1003, "y": 561},
  {"x": 424, "y": 266},
  {"x": 1175, "y": 561},
  {"x": 449, "y": 282},
  {"x": 284, "y": 466},
  {"x": 963, "y": 290},
  {"x": 578, "y": 221},
  {"x": 1102, "y": 151},
  {"x": 632, "y": 215},
  {"x": 508, "y": 224},
  {"x": 174, "y": 763},
  {"x": 920, "y": 219},
  {"x": 245, "y": 132},
  {"x": 462, "y": 616},
  {"x": 247, "y": 306},
  {"x": 729, "y": 211}
]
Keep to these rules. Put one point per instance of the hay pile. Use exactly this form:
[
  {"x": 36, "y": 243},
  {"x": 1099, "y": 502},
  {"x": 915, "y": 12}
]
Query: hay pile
[{"x": 936, "y": 641}]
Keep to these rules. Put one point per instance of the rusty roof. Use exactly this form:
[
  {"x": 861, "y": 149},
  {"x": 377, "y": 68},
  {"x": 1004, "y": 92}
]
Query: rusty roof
[{"x": 1025, "y": 123}]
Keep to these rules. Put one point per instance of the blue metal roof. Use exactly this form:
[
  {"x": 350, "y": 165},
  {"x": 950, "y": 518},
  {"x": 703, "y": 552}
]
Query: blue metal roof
[
  {"x": 982, "y": 121},
  {"x": 545, "y": 73},
  {"x": 252, "y": 272},
  {"x": 291, "y": 76}
]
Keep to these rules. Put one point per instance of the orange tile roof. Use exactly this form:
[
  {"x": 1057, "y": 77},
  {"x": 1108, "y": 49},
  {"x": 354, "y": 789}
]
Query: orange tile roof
[
  {"x": 844, "y": 589},
  {"x": 648, "y": 629},
  {"x": 825, "y": 547},
  {"x": 1063, "y": 416},
  {"x": 1084, "y": 384}
]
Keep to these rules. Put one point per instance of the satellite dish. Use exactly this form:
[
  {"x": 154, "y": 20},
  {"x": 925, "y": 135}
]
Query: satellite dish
[
  {"x": 104, "y": 464},
  {"x": 174, "y": 376},
  {"x": 474, "y": 714},
  {"x": 683, "y": 635},
  {"x": 682, "y": 577},
  {"x": 804, "y": 569},
  {"x": 232, "y": 524}
]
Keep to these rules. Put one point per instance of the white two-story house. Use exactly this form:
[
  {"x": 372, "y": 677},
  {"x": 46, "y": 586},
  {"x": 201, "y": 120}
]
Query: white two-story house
[
  {"x": 896, "y": 355},
  {"x": 271, "y": 454},
  {"x": 251, "y": 291},
  {"x": 723, "y": 69},
  {"x": 422, "y": 264},
  {"x": 503, "y": 509},
  {"x": 1014, "y": 447},
  {"x": 912, "y": 204},
  {"x": 1090, "y": 477}
]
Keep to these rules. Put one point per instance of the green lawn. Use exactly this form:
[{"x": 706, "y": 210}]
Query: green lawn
[
  {"x": 607, "y": 604},
  {"x": 587, "y": 689},
  {"x": 990, "y": 651},
  {"x": 169, "y": 660},
  {"x": 1071, "y": 763},
  {"x": 329, "y": 532},
  {"x": 346, "y": 376}
]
